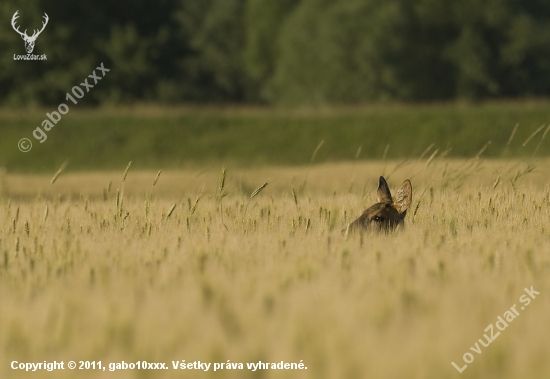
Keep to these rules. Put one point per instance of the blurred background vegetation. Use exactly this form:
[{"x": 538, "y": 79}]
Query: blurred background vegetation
[
  {"x": 207, "y": 137},
  {"x": 279, "y": 52},
  {"x": 349, "y": 63}
]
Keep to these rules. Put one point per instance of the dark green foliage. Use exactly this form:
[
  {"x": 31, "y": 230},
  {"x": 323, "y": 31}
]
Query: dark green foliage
[
  {"x": 359, "y": 50},
  {"x": 284, "y": 51}
]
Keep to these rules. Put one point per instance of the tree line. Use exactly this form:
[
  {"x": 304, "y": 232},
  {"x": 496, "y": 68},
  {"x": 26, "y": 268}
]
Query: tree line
[{"x": 279, "y": 51}]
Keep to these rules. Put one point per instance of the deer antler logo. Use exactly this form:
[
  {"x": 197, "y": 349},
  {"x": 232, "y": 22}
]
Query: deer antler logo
[{"x": 29, "y": 40}]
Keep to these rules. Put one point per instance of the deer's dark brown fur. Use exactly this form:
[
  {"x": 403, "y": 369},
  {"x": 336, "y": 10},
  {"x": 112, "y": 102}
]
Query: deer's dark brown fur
[{"x": 388, "y": 213}]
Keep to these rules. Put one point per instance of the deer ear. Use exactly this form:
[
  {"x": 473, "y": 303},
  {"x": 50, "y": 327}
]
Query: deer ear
[
  {"x": 403, "y": 197},
  {"x": 384, "y": 194}
]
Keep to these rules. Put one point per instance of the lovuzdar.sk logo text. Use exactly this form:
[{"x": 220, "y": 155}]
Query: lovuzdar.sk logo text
[{"x": 29, "y": 40}]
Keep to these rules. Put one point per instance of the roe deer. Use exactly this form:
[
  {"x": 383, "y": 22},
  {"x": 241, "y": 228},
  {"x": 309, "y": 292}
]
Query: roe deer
[{"x": 387, "y": 214}]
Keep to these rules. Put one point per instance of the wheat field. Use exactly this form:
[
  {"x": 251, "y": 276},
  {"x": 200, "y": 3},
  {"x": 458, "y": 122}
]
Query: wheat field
[{"x": 217, "y": 266}]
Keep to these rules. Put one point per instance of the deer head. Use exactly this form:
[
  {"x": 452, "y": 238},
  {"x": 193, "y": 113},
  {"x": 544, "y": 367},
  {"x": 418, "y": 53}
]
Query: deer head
[
  {"x": 387, "y": 214},
  {"x": 29, "y": 41}
]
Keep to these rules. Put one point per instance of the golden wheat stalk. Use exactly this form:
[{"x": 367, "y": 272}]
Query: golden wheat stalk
[
  {"x": 532, "y": 135},
  {"x": 317, "y": 150},
  {"x": 513, "y": 134},
  {"x": 199, "y": 196},
  {"x": 483, "y": 149},
  {"x": 59, "y": 171},
  {"x": 254, "y": 194},
  {"x": 156, "y": 178},
  {"x": 126, "y": 171},
  {"x": 258, "y": 190},
  {"x": 117, "y": 199},
  {"x": 432, "y": 157},
  {"x": 426, "y": 151},
  {"x": 222, "y": 180},
  {"x": 170, "y": 211}
]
